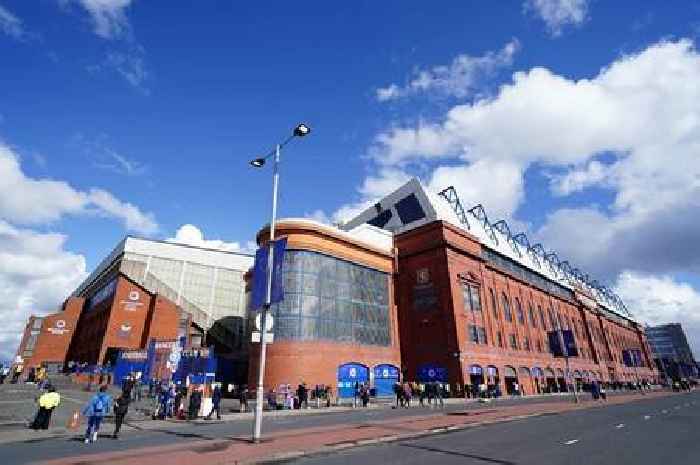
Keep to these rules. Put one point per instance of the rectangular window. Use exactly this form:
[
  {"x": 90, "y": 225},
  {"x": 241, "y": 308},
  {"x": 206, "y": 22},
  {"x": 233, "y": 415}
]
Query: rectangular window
[
  {"x": 519, "y": 311},
  {"x": 494, "y": 305},
  {"x": 473, "y": 334},
  {"x": 500, "y": 339},
  {"x": 506, "y": 308},
  {"x": 482, "y": 335},
  {"x": 533, "y": 320},
  {"x": 526, "y": 344},
  {"x": 513, "y": 342},
  {"x": 542, "y": 320},
  {"x": 471, "y": 297}
]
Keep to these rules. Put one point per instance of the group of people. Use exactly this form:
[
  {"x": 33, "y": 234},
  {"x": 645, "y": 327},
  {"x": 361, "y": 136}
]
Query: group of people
[
  {"x": 432, "y": 391},
  {"x": 285, "y": 397}
]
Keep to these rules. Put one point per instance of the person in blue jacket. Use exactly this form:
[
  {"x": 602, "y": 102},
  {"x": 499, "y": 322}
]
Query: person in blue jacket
[{"x": 95, "y": 411}]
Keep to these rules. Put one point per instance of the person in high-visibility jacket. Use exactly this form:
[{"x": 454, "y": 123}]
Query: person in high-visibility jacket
[{"x": 47, "y": 403}]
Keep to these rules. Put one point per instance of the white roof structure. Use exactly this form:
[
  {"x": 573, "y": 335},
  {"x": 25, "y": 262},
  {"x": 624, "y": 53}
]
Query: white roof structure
[{"x": 412, "y": 206}]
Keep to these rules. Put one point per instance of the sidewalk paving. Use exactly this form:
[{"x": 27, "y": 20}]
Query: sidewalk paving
[{"x": 299, "y": 442}]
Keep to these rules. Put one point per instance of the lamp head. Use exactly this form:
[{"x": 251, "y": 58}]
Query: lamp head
[
  {"x": 258, "y": 162},
  {"x": 301, "y": 130}
]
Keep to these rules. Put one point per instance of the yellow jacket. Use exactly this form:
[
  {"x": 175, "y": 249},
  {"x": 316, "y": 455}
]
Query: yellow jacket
[{"x": 49, "y": 400}]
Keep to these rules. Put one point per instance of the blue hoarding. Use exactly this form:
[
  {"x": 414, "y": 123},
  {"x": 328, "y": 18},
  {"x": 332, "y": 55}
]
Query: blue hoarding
[
  {"x": 349, "y": 375},
  {"x": 431, "y": 372}
]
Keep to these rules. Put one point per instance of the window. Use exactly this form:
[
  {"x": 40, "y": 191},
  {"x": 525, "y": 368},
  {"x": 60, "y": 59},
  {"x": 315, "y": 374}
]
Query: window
[
  {"x": 494, "y": 305},
  {"x": 513, "y": 342},
  {"x": 552, "y": 320},
  {"x": 506, "y": 308},
  {"x": 471, "y": 297},
  {"x": 409, "y": 209},
  {"x": 477, "y": 334},
  {"x": 542, "y": 320},
  {"x": 500, "y": 339},
  {"x": 331, "y": 299},
  {"x": 539, "y": 346},
  {"x": 531, "y": 312},
  {"x": 526, "y": 343},
  {"x": 519, "y": 311}
]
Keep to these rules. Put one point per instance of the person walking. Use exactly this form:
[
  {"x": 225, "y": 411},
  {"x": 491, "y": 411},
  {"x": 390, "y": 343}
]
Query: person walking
[
  {"x": 95, "y": 411},
  {"x": 243, "y": 398},
  {"x": 407, "y": 392},
  {"x": 121, "y": 407},
  {"x": 215, "y": 403},
  {"x": 195, "y": 403},
  {"x": 48, "y": 401},
  {"x": 438, "y": 395}
]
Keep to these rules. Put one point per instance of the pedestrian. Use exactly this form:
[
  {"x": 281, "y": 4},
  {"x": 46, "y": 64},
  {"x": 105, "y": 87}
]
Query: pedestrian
[
  {"x": 243, "y": 398},
  {"x": 215, "y": 403},
  {"x": 407, "y": 393},
  {"x": 121, "y": 407},
  {"x": 398, "y": 392},
  {"x": 195, "y": 403},
  {"x": 595, "y": 392},
  {"x": 95, "y": 411},
  {"x": 48, "y": 401},
  {"x": 603, "y": 394},
  {"x": 364, "y": 395},
  {"x": 439, "y": 395},
  {"x": 329, "y": 394}
]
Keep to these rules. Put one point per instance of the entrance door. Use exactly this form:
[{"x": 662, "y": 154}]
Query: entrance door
[
  {"x": 385, "y": 377},
  {"x": 350, "y": 375}
]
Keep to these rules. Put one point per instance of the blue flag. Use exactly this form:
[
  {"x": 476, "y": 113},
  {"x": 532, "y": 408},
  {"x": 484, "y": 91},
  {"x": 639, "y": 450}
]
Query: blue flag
[{"x": 259, "y": 291}]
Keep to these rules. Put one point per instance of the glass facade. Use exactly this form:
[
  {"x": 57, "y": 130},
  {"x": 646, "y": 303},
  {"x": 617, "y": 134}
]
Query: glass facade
[{"x": 327, "y": 298}]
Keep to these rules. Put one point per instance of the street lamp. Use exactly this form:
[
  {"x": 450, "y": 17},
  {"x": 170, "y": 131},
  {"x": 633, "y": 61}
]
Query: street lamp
[{"x": 300, "y": 131}]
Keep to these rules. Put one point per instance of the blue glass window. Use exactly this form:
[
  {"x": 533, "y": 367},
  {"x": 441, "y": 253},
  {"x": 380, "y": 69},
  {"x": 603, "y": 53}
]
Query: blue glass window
[{"x": 409, "y": 209}]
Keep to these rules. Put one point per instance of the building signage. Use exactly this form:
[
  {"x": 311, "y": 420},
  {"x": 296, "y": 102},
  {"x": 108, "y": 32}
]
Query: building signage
[
  {"x": 124, "y": 330},
  {"x": 132, "y": 303},
  {"x": 164, "y": 345},
  {"x": 260, "y": 272},
  {"x": 58, "y": 328},
  {"x": 134, "y": 355}
]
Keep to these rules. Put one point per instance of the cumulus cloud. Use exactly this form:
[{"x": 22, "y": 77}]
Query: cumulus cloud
[
  {"x": 575, "y": 180},
  {"x": 457, "y": 79},
  {"x": 36, "y": 275},
  {"x": 10, "y": 24},
  {"x": 558, "y": 14},
  {"x": 25, "y": 200},
  {"x": 191, "y": 235},
  {"x": 661, "y": 299}
]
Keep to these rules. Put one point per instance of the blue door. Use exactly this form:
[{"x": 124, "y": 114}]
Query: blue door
[
  {"x": 431, "y": 372},
  {"x": 385, "y": 376},
  {"x": 348, "y": 375}
]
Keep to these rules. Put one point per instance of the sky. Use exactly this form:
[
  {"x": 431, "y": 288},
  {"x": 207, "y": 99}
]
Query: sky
[{"x": 577, "y": 121}]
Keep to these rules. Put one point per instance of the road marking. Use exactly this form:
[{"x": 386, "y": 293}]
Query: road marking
[
  {"x": 646, "y": 417},
  {"x": 621, "y": 425},
  {"x": 572, "y": 441},
  {"x": 677, "y": 407},
  {"x": 664, "y": 411},
  {"x": 686, "y": 405}
]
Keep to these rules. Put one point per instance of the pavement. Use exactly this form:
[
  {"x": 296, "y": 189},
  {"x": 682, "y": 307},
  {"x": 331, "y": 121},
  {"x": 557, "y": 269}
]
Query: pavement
[{"x": 291, "y": 436}]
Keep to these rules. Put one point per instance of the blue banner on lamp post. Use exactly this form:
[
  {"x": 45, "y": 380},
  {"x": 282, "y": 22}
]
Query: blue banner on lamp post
[{"x": 259, "y": 290}]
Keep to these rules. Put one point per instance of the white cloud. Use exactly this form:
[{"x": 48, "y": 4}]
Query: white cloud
[
  {"x": 457, "y": 79},
  {"x": 108, "y": 17},
  {"x": 102, "y": 155},
  {"x": 26, "y": 200},
  {"x": 557, "y": 14},
  {"x": 661, "y": 299},
  {"x": 372, "y": 189},
  {"x": 579, "y": 179},
  {"x": 36, "y": 275},
  {"x": 191, "y": 235},
  {"x": 10, "y": 24},
  {"x": 131, "y": 66}
]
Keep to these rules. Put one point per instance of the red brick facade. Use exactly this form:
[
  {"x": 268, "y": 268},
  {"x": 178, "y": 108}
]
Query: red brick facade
[
  {"x": 126, "y": 319},
  {"x": 437, "y": 260}
]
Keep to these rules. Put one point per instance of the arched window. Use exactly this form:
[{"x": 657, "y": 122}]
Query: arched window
[
  {"x": 506, "y": 308},
  {"x": 519, "y": 311},
  {"x": 542, "y": 320}
]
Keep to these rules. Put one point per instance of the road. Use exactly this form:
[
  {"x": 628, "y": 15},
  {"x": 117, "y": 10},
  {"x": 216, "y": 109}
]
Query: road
[
  {"x": 537, "y": 438},
  {"x": 660, "y": 431}
]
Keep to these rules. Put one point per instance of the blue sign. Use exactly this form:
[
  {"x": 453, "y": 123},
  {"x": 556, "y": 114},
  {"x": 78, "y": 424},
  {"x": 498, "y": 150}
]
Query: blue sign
[
  {"x": 350, "y": 375},
  {"x": 259, "y": 292},
  {"x": 430, "y": 372},
  {"x": 385, "y": 371},
  {"x": 385, "y": 377}
]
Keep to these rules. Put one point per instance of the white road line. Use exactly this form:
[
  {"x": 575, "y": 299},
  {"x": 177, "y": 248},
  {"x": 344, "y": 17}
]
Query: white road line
[
  {"x": 677, "y": 407},
  {"x": 664, "y": 411},
  {"x": 572, "y": 441},
  {"x": 646, "y": 417},
  {"x": 621, "y": 425}
]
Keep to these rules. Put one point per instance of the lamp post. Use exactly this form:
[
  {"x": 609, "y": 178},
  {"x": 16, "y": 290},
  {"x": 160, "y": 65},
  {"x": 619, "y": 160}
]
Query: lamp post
[{"x": 300, "y": 131}]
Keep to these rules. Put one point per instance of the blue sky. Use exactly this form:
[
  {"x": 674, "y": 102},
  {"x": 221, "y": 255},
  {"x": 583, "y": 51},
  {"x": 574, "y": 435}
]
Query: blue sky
[{"x": 160, "y": 108}]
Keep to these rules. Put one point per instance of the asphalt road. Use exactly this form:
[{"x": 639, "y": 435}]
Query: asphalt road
[
  {"x": 661, "y": 431},
  {"x": 41, "y": 448}
]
